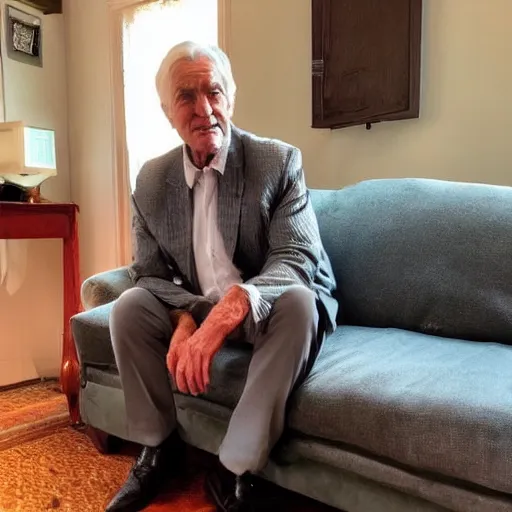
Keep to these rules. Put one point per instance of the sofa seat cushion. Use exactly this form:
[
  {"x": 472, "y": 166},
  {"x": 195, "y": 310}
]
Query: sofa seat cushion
[
  {"x": 92, "y": 338},
  {"x": 434, "y": 404}
]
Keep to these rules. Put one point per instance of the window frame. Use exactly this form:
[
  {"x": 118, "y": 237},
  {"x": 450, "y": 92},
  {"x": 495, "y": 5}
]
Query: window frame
[{"x": 121, "y": 178}]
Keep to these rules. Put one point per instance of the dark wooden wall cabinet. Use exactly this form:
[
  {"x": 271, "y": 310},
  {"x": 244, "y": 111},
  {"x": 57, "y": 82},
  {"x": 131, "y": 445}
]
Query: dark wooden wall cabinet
[
  {"x": 46, "y": 6},
  {"x": 366, "y": 61}
]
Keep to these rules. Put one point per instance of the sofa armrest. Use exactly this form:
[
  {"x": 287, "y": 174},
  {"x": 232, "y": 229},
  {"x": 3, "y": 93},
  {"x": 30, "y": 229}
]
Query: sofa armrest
[
  {"x": 105, "y": 287},
  {"x": 92, "y": 337}
]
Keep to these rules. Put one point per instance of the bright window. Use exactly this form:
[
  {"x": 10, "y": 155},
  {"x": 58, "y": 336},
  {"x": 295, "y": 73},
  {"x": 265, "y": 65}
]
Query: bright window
[{"x": 148, "y": 34}]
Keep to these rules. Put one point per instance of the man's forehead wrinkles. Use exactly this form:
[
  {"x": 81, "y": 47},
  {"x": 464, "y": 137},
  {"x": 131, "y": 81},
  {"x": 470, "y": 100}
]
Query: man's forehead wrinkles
[
  {"x": 196, "y": 82},
  {"x": 195, "y": 76}
]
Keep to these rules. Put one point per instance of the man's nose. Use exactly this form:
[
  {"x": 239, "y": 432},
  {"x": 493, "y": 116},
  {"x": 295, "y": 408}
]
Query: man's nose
[{"x": 203, "y": 107}]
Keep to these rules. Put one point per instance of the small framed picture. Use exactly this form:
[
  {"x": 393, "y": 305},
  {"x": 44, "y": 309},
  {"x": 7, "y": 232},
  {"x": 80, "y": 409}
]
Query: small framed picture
[{"x": 24, "y": 33}]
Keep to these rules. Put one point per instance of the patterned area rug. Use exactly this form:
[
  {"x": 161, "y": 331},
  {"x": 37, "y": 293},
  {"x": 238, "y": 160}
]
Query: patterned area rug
[
  {"x": 30, "y": 412},
  {"x": 61, "y": 471},
  {"x": 46, "y": 465},
  {"x": 65, "y": 472}
]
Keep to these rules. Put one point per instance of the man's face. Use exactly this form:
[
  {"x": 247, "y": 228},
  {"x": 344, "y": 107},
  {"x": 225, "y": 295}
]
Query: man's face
[{"x": 199, "y": 108}]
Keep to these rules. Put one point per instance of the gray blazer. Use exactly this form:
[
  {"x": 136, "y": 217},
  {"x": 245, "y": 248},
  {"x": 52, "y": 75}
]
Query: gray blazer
[{"x": 264, "y": 214}]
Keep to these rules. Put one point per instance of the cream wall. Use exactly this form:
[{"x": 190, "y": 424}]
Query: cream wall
[
  {"x": 91, "y": 131},
  {"x": 465, "y": 128},
  {"x": 464, "y": 131},
  {"x": 31, "y": 319}
]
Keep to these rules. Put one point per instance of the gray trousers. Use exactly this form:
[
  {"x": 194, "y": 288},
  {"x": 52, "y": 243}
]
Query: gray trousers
[{"x": 141, "y": 330}]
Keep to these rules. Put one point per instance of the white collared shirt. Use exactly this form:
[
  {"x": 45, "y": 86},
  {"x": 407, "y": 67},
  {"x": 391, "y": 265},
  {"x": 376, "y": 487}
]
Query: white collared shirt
[{"x": 215, "y": 270}]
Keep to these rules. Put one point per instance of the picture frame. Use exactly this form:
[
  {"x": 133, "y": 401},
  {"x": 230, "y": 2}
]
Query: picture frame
[{"x": 23, "y": 36}]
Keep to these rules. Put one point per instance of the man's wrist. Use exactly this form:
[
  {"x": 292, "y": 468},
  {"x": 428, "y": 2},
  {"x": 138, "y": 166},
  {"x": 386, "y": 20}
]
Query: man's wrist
[{"x": 228, "y": 313}]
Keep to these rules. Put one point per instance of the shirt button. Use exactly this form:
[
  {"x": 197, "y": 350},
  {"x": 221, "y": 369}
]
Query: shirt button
[{"x": 177, "y": 281}]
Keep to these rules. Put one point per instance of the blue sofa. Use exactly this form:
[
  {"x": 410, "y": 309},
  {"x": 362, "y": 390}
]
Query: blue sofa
[{"x": 409, "y": 405}]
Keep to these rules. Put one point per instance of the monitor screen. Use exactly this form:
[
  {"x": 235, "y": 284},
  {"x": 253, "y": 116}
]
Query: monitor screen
[{"x": 39, "y": 148}]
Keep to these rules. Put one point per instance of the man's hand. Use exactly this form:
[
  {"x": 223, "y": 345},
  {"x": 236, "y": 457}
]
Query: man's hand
[
  {"x": 190, "y": 362},
  {"x": 184, "y": 328}
]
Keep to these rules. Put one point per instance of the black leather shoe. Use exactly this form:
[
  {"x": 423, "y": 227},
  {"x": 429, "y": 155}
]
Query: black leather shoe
[
  {"x": 230, "y": 493},
  {"x": 147, "y": 475}
]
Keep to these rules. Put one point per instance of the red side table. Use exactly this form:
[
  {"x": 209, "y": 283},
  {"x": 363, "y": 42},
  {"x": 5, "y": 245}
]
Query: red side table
[{"x": 54, "y": 220}]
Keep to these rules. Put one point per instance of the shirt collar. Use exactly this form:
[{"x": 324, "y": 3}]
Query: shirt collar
[{"x": 218, "y": 163}]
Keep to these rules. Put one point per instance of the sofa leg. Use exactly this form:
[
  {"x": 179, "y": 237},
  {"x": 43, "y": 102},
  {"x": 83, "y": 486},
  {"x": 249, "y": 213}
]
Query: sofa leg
[{"x": 104, "y": 443}]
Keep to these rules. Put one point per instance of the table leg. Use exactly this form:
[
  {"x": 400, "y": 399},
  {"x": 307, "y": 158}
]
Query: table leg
[{"x": 70, "y": 371}]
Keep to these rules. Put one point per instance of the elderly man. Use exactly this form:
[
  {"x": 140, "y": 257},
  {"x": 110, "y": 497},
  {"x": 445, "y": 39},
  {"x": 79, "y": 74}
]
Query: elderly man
[{"x": 226, "y": 245}]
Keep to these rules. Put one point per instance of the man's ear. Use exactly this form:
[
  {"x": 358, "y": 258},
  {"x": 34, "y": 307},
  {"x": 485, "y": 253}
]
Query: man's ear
[{"x": 231, "y": 108}]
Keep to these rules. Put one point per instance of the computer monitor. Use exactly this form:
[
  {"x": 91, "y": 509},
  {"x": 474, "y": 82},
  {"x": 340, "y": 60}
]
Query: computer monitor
[{"x": 27, "y": 154}]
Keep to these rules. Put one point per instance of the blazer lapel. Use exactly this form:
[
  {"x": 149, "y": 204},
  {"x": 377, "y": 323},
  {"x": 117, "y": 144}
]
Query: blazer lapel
[
  {"x": 179, "y": 220},
  {"x": 230, "y": 192}
]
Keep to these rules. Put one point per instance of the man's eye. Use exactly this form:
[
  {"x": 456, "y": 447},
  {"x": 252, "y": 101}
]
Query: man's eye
[
  {"x": 214, "y": 92},
  {"x": 185, "y": 96}
]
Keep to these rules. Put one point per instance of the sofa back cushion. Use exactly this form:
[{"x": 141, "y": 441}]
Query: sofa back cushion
[{"x": 426, "y": 255}]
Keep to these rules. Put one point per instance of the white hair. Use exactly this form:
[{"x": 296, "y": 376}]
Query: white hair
[{"x": 189, "y": 50}]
